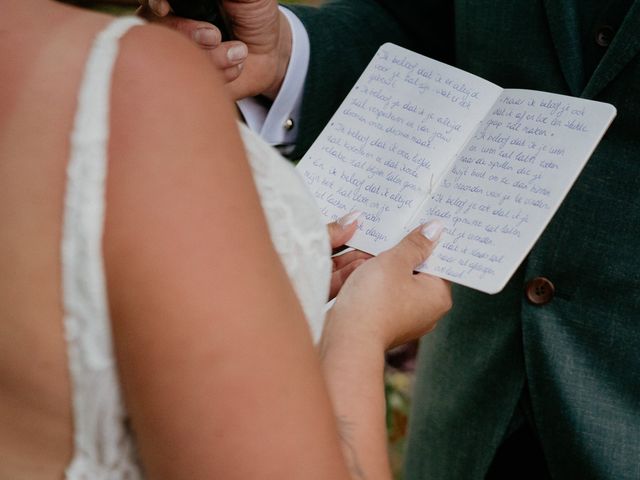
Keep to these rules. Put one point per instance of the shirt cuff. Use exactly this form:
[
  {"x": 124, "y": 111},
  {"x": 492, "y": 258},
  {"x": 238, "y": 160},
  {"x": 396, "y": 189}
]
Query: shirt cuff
[{"x": 277, "y": 123}]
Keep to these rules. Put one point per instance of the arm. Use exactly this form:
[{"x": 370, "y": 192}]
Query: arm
[
  {"x": 192, "y": 276},
  {"x": 353, "y": 362}
]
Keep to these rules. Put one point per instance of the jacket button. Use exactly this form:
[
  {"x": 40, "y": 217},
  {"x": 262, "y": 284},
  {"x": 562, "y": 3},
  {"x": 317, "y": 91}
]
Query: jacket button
[
  {"x": 539, "y": 291},
  {"x": 604, "y": 35}
]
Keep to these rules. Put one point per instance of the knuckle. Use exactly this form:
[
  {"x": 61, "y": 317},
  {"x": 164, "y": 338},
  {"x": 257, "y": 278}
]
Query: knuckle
[
  {"x": 446, "y": 300},
  {"x": 384, "y": 257},
  {"x": 440, "y": 300},
  {"x": 447, "y": 304},
  {"x": 334, "y": 230},
  {"x": 418, "y": 243},
  {"x": 231, "y": 74}
]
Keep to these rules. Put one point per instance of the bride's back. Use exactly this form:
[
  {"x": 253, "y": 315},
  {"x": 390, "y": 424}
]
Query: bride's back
[
  {"x": 178, "y": 192},
  {"x": 43, "y": 54},
  {"x": 44, "y": 47}
]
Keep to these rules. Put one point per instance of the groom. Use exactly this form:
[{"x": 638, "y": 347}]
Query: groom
[{"x": 547, "y": 372}]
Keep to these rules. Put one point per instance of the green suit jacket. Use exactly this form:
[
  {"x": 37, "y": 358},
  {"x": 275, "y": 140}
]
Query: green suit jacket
[{"x": 575, "y": 362}]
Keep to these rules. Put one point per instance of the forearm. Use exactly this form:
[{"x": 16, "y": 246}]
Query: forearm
[{"x": 354, "y": 374}]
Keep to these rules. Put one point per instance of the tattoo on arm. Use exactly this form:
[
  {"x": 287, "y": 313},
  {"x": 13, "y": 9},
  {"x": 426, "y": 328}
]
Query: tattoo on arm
[{"x": 345, "y": 429}]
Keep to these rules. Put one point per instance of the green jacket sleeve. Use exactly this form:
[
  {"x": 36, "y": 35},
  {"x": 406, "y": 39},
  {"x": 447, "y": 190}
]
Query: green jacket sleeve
[{"x": 345, "y": 34}]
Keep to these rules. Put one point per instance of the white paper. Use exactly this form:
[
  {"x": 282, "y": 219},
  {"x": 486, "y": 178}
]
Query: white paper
[{"x": 416, "y": 139}]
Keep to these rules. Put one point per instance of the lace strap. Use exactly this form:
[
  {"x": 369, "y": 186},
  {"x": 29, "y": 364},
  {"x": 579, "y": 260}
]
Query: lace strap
[
  {"x": 86, "y": 173},
  {"x": 101, "y": 446}
]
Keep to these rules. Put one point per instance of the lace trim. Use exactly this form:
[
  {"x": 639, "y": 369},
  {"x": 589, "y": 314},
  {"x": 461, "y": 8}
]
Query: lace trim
[
  {"x": 296, "y": 225},
  {"x": 102, "y": 447}
]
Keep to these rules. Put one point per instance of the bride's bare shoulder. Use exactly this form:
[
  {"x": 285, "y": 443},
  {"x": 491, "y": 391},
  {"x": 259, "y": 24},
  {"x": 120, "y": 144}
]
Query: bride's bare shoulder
[
  {"x": 155, "y": 60},
  {"x": 165, "y": 88},
  {"x": 172, "y": 128}
]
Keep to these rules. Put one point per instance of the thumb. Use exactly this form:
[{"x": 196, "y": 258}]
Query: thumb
[
  {"x": 416, "y": 247},
  {"x": 343, "y": 229}
]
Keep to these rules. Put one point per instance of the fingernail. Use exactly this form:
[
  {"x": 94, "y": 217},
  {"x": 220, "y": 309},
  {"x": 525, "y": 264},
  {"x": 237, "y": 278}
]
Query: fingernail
[
  {"x": 349, "y": 218},
  {"x": 433, "y": 230},
  {"x": 237, "y": 53},
  {"x": 205, "y": 36}
]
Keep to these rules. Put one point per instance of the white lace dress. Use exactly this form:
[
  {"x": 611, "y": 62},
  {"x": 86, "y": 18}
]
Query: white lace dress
[{"x": 103, "y": 447}]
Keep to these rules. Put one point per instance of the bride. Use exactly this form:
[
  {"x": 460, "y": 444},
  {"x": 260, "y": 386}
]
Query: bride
[{"x": 155, "y": 284}]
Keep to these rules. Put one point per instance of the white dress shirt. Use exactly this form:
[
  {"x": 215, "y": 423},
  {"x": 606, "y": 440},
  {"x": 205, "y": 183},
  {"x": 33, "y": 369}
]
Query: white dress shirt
[{"x": 277, "y": 123}]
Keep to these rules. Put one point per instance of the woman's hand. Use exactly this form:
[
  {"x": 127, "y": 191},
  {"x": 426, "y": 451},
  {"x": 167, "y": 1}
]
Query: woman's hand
[
  {"x": 344, "y": 264},
  {"x": 384, "y": 303}
]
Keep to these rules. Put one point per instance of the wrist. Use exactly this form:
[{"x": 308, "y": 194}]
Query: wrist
[
  {"x": 282, "y": 56},
  {"x": 344, "y": 363},
  {"x": 343, "y": 338},
  {"x": 353, "y": 368}
]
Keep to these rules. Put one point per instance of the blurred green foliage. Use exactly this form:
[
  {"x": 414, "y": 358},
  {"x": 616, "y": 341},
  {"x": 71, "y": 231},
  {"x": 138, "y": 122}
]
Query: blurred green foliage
[{"x": 398, "y": 387}]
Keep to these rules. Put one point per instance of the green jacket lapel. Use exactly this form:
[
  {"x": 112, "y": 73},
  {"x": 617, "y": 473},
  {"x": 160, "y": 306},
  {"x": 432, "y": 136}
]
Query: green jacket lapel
[
  {"x": 625, "y": 46},
  {"x": 563, "y": 22}
]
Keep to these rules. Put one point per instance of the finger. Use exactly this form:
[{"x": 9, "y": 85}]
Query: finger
[
  {"x": 340, "y": 276},
  {"x": 343, "y": 229},
  {"x": 160, "y": 7},
  {"x": 228, "y": 55},
  {"x": 416, "y": 247},
  {"x": 340, "y": 261},
  {"x": 205, "y": 34},
  {"x": 230, "y": 74}
]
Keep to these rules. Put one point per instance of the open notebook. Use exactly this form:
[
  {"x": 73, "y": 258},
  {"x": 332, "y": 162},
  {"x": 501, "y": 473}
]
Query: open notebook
[{"x": 417, "y": 139}]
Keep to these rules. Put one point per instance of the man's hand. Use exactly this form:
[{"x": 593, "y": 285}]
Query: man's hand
[{"x": 256, "y": 60}]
